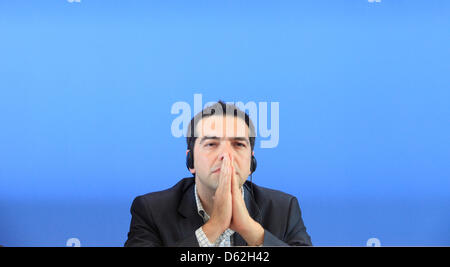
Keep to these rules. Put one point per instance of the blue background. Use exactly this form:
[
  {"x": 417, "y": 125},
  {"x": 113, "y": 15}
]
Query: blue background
[{"x": 364, "y": 90}]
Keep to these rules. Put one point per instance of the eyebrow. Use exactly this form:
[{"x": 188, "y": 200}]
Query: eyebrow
[{"x": 204, "y": 138}]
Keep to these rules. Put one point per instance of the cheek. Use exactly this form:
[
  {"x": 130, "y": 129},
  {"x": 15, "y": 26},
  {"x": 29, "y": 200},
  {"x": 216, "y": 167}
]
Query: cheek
[
  {"x": 244, "y": 165},
  {"x": 203, "y": 161}
]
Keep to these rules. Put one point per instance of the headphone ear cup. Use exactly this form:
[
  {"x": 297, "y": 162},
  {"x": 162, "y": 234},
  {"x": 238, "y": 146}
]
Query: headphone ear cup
[
  {"x": 189, "y": 161},
  {"x": 253, "y": 165}
]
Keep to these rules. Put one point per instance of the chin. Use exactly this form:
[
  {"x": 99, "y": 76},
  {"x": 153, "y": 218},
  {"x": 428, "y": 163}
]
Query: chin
[
  {"x": 213, "y": 182},
  {"x": 213, "y": 186}
]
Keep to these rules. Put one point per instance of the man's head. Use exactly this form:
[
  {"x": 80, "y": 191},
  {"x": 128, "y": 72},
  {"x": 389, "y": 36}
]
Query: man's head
[{"x": 215, "y": 132}]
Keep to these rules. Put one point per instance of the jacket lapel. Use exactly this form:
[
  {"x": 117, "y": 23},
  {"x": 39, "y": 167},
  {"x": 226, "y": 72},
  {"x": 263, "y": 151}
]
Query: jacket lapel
[{"x": 188, "y": 209}]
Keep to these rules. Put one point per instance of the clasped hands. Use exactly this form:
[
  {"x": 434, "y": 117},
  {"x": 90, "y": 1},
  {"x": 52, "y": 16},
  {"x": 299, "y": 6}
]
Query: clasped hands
[{"x": 229, "y": 210}]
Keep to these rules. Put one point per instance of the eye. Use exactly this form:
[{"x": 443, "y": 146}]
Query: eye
[
  {"x": 241, "y": 145},
  {"x": 210, "y": 144}
]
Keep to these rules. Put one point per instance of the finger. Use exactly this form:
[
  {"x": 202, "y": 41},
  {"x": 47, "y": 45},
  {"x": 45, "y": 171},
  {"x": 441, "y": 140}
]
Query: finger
[
  {"x": 235, "y": 187},
  {"x": 233, "y": 181},
  {"x": 225, "y": 174},
  {"x": 229, "y": 172}
]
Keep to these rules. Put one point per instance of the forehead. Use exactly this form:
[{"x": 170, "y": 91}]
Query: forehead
[{"x": 222, "y": 126}]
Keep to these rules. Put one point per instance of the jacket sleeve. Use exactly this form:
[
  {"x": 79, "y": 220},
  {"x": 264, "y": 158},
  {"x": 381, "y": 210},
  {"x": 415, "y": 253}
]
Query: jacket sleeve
[
  {"x": 143, "y": 232},
  {"x": 295, "y": 235}
]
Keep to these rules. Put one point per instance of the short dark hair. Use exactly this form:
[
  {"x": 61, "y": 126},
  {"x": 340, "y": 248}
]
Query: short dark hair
[{"x": 223, "y": 109}]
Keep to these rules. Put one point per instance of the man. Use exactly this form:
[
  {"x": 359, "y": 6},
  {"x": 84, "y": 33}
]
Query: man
[{"x": 218, "y": 207}]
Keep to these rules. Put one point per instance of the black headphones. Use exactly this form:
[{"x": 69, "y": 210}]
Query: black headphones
[{"x": 190, "y": 162}]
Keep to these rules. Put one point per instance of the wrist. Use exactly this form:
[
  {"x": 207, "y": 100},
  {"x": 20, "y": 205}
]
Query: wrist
[
  {"x": 212, "y": 230},
  {"x": 254, "y": 234}
]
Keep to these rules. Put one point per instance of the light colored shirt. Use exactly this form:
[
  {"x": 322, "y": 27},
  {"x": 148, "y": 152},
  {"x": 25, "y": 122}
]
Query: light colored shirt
[{"x": 224, "y": 240}]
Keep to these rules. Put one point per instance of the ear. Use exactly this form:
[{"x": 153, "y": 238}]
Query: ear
[
  {"x": 191, "y": 170},
  {"x": 253, "y": 153}
]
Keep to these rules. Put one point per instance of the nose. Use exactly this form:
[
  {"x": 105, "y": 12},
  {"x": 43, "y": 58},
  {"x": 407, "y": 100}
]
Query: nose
[{"x": 226, "y": 151}]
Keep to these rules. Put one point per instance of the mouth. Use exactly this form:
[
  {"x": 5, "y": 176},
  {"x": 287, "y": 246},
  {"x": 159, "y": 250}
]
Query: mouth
[{"x": 218, "y": 171}]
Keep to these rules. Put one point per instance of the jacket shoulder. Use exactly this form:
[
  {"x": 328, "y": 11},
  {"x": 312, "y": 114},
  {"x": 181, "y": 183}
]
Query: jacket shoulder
[
  {"x": 265, "y": 194},
  {"x": 272, "y": 200},
  {"x": 167, "y": 197}
]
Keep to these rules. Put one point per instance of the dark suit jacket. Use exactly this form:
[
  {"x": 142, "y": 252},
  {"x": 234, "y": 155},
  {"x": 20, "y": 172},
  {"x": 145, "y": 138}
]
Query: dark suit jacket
[{"x": 170, "y": 217}]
